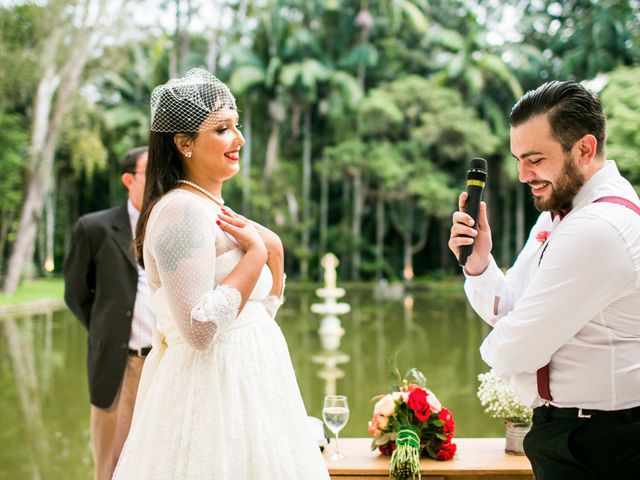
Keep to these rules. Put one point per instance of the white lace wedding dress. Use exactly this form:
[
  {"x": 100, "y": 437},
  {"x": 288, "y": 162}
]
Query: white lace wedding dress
[{"x": 218, "y": 399}]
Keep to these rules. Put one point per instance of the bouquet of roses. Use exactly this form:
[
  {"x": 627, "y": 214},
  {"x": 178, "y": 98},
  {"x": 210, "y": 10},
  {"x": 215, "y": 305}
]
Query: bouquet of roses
[{"x": 408, "y": 422}]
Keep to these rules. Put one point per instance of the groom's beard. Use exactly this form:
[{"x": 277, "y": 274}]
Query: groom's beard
[{"x": 564, "y": 189}]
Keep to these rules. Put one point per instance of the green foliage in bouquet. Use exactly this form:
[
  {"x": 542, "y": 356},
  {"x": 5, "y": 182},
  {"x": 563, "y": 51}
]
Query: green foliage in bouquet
[{"x": 409, "y": 422}]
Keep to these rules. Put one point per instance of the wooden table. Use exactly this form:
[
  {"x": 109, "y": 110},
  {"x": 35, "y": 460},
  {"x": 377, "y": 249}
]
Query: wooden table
[{"x": 476, "y": 458}]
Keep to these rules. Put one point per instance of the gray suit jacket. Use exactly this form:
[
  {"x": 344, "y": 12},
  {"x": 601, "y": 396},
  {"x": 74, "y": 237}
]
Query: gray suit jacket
[{"x": 101, "y": 281}]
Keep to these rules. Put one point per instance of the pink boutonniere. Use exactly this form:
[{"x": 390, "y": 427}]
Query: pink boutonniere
[{"x": 543, "y": 235}]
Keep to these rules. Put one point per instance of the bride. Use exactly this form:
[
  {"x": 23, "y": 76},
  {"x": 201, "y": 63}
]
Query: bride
[{"x": 218, "y": 397}]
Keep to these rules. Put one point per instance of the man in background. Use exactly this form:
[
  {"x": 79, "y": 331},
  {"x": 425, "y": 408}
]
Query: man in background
[
  {"x": 566, "y": 316},
  {"x": 108, "y": 292}
]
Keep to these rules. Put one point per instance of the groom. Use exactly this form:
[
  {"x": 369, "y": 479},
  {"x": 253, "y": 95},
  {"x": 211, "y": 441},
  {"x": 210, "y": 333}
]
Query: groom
[
  {"x": 566, "y": 316},
  {"x": 109, "y": 293}
]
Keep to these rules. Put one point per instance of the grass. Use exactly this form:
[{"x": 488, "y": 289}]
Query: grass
[{"x": 40, "y": 289}]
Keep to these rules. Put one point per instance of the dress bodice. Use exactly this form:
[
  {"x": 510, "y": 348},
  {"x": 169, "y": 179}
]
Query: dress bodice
[{"x": 187, "y": 257}]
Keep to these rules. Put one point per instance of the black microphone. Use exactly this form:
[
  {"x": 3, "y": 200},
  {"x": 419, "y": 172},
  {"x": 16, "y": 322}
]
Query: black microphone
[{"x": 476, "y": 178}]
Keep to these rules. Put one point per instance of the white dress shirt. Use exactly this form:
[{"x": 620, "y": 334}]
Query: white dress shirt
[
  {"x": 143, "y": 317},
  {"x": 579, "y": 309}
]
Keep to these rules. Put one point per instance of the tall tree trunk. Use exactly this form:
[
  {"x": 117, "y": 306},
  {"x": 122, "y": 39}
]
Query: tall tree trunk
[
  {"x": 324, "y": 215},
  {"x": 276, "y": 116},
  {"x": 344, "y": 226},
  {"x": 356, "y": 224},
  {"x": 246, "y": 157},
  {"x": 364, "y": 37},
  {"x": 173, "y": 54},
  {"x": 214, "y": 37},
  {"x": 406, "y": 226},
  {"x": 423, "y": 236},
  {"x": 37, "y": 188},
  {"x": 212, "y": 51},
  {"x": 56, "y": 91},
  {"x": 407, "y": 242},
  {"x": 184, "y": 39},
  {"x": 380, "y": 235},
  {"x": 306, "y": 193},
  {"x": 50, "y": 211}
]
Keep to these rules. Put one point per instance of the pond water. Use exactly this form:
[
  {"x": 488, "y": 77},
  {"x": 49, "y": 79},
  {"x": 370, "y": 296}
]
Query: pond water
[{"x": 43, "y": 387}]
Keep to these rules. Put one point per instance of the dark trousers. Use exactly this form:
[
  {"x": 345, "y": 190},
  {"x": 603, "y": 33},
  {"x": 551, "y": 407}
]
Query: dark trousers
[{"x": 562, "y": 446}]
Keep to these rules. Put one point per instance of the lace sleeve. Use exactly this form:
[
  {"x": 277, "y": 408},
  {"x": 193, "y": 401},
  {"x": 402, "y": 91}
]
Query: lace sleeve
[
  {"x": 273, "y": 302},
  {"x": 181, "y": 240}
]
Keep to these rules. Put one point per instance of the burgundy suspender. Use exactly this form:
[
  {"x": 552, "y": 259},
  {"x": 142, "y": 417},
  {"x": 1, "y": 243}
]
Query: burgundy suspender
[
  {"x": 620, "y": 201},
  {"x": 542, "y": 375}
]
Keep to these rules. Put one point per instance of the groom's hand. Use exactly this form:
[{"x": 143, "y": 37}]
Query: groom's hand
[{"x": 464, "y": 232}]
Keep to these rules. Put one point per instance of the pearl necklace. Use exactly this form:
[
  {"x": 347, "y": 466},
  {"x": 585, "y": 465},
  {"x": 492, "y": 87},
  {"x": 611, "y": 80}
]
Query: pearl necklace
[{"x": 214, "y": 198}]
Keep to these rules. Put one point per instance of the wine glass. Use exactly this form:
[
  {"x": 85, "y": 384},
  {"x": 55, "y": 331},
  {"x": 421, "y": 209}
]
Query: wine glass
[{"x": 335, "y": 413}]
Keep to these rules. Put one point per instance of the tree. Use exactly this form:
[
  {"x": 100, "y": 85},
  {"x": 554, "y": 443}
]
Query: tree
[
  {"x": 14, "y": 140},
  {"x": 75, "y": 33},
  {"x": 585, "y": 37},
  {"x": 433, "y": 134},
  {"x": 621, "y": 102}
]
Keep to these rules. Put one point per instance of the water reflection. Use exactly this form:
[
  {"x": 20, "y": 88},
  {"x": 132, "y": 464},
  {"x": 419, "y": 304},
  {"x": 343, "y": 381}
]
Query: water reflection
[
  {"x": 43, "y": 397},
  {"x": 43, "y": 387},
  {"x": 435, "y": 332},
  {"x": 330, "y": 331}
]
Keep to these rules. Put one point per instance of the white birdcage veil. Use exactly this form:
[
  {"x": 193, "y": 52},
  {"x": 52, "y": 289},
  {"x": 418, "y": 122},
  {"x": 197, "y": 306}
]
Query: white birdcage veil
[{"x": 190, "y": 103}]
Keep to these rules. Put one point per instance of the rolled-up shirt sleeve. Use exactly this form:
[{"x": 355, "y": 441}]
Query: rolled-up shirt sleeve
[{"x": 585, "y": 267}]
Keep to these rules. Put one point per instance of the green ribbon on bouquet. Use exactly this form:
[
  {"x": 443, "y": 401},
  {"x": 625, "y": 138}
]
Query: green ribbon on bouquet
[{"x": 405, "y": 461}]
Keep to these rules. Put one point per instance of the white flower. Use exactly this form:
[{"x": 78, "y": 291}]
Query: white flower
[{"x": 499, "y": 400}]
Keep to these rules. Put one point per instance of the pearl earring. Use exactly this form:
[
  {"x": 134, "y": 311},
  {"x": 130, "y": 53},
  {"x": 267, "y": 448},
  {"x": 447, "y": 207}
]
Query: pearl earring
[{"x": 188, "y": 154}]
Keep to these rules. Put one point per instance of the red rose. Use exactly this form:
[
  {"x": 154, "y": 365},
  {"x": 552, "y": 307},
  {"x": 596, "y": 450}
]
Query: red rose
[
  {"x": 387, "y": 448},
  {"x": 418, "y": 403},
  {"x": 446, "y": 451},
  {"x": 449, "y": 425}
]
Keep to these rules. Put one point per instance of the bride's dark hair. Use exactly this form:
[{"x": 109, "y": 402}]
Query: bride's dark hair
[{"x": 164, "y": 169}]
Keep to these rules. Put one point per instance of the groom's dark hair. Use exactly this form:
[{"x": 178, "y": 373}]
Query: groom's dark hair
[{"x": 573, "y": 112}]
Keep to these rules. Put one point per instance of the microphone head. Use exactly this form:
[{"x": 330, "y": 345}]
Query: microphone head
[{"x": 478, "y": 164}]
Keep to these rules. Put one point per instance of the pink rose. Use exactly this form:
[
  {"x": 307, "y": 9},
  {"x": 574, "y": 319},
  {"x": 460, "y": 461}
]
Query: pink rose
[
  {"x": 434, "y": 403},
  {"x": 374, "y": 426},
  {"x": 386, "y": 406},
  {"x": 374, "y": 429}
]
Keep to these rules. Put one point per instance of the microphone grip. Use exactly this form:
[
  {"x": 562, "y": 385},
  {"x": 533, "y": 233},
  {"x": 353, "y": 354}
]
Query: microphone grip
[{"x": 474, "y": 196}]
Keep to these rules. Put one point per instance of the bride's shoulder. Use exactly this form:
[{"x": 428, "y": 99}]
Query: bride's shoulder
[
  {"x": 178, "y": 199},
  {"x": 179, "y": 204}
]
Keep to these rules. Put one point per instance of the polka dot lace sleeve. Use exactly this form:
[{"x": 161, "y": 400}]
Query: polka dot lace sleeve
[{"x": 180, "y": 255}]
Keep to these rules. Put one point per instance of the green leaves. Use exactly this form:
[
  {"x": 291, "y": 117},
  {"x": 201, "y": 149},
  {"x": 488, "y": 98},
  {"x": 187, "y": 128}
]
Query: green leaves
[
  {"x": 246, "y": 77},
  {"x": 13, "y": 154},
  {"x": 413, "y": 375},
  {"x": 621, "y": 103}
]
